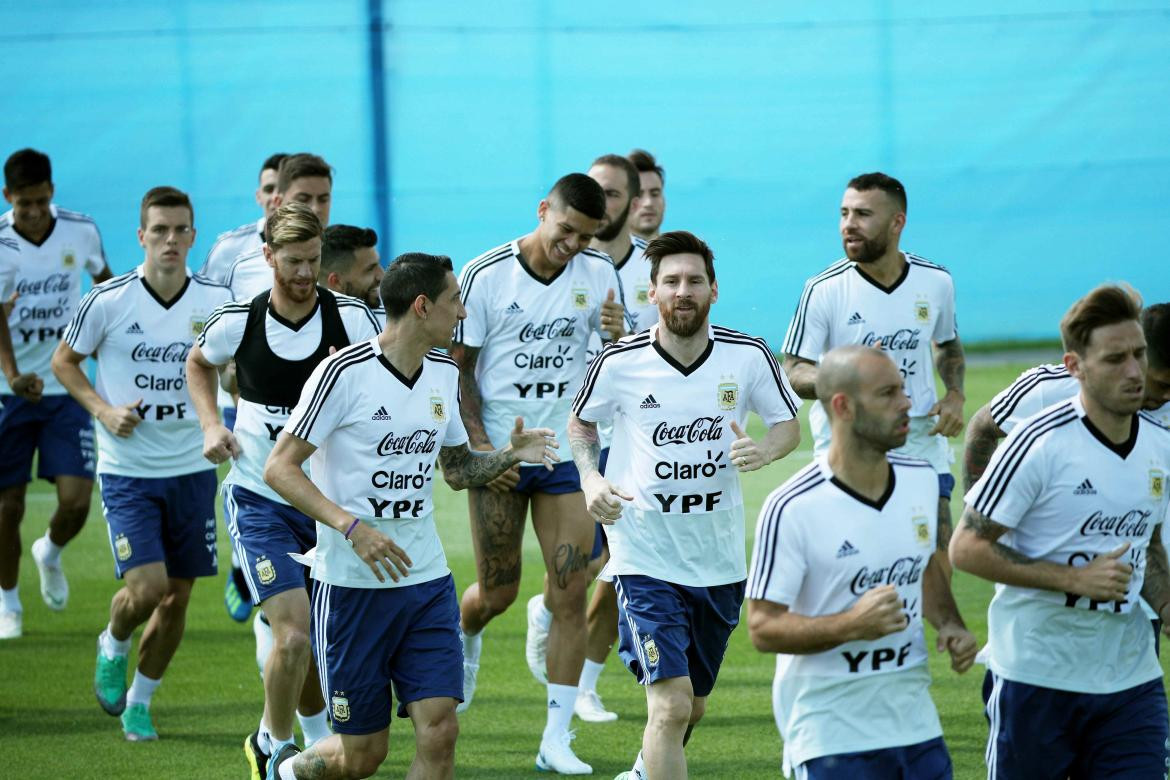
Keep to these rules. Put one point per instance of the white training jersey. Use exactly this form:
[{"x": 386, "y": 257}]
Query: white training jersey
[
  {"x": 9, "y": 266},
  {"x": 1034, "y": 390},
  {"x": 671, "y": 450},
  {"x": 819, "y": 547},
  {"x": 141, "y": 345},
  {"x": 378, "y": 435},
  {"x": 258, "y": 425},
  {"x": 532, "y": 334},
  {"x": 249, "y": 275},
  {"x": 1067, "y": 495},
  {"x": 841, "y": 305},
  {"x": 1161, "y": 415},
  {"x": 49, "y": 282},
  {"x": 230, "y": 245}
]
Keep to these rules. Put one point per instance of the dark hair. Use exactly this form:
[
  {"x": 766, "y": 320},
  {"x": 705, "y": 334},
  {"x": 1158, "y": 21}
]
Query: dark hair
[
  {"x": 880, "y": 181},
  {"x": 1103, "y": 306},
  {"x": 409, "y": 276},
  {"x": 164, "y": 197},
  {"x": 273, "y": 162},
  {"x": 578, "y": 191},
  {"x": 1156, "y": 324},
  {"x": 634, "y": 186},
  {"x": 645, "y": 163},
  {"x": 340, "y": 243},
  {"x": 679, "y": 242},
  {"x": 27, "y": 168},
  {"x": 298, "y": 166}
]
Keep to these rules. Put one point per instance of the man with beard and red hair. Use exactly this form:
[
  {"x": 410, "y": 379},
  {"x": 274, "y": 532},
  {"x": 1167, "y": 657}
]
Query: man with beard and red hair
[
  {"x": 672, "y": 507},
  {"x": 879, "y": 296}
]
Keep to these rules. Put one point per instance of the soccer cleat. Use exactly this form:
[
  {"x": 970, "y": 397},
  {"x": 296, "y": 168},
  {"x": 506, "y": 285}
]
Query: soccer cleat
[
  {"x": 262, "y": 630},
  {"x": 589, "y": 708},
  {"x": 472, "y": 648},
  {"x": 136, "y": 724},
  {"x": 257, "y": 758},
  {"x": 286, "y": 752},
  {"x": 235, "y": 596},
  {"x": 54, "y": 587},
  {"x": 536, "y": 641},
  {"x": 556, "y": 756},
  {"x": 11, "y": 624},
  {"x": 109, "y": 681}
]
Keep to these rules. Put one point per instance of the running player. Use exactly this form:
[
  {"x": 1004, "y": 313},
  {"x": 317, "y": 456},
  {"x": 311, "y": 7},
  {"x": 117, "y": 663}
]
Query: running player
[
  {"x": 158, "y": 494},
  {"x": 1067, "y": 520},
  {"x": 844, "y": 569},
  {"x": 247, "y": 237},
  {"x": 350, "y": 264},
  {"x": 372, "y": 421},
  {"x": 276, "y": 340},
  {"x": 531, "y": 305},
  {"x": 650, "y": 208},
  {"x": 37, "y": 416},
  {"x": 679, "y": 395}
]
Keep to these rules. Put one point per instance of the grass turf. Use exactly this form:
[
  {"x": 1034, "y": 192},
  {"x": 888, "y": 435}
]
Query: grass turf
[{"x": 210, "y": 699}]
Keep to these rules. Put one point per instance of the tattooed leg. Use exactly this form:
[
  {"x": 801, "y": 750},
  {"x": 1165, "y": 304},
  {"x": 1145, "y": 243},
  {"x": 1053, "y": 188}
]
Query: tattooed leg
[
  {"x": 497, "y": 532},
  {"x": 343, "y": 756},
  {"x": 566, "y": 538}
]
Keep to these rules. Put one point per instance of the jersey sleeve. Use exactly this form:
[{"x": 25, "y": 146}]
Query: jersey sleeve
[
  {"x": 218, "y": 261},
  {"x": 472, "y": 330},
  {"x": 1020, "y": 400},
  {"x": 608, "y": 280},
  {"x": 95, "y": 256},
  {"x": 946, "y": 327},
  {"x": 87, "y": 330},
  {"x": 778, "y": 566},
  {"x": 1014, "y": 478},
  {"x": 360, "y": 323},
  {"x": 323, "y": 403},
  {"x": 9, "y": 266},
  {"x": 770, "y": 395},
  {"x": 595, "y": 401},
  {"x": 222, "y": 333},
  {"x": 808, "y": 332}
]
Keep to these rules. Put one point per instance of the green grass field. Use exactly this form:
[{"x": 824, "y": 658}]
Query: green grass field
[{"x": 51, "y": 726}]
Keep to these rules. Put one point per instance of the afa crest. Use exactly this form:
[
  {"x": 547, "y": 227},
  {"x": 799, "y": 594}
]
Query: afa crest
[
  {"x": 197, "y": 324},
  {"x": 651, "y": 652},
  {"x": 728, "y": 395},
  {"x": 580, "y": 298},
  {"x": 266, "y": 571},
  {"x": 642, "y": 294},
  {"x": 438, "y": 408},
  {"x": 922, "y": 311},
  {"x": 69, "y": 259},
  {"x": 122, "y": 548},
  {"x": 921, "y": 530},
  {"x": 1157, "y": 483},
  {"x": 340, "y": 708}
]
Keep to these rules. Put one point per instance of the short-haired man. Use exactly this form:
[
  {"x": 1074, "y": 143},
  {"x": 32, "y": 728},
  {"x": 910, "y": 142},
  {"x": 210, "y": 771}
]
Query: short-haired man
[
  {"x": 880, "y": 296},
  {"x": 531, "y": 305},
  {"x": 158, "y": 494},
  {"x": 1067, "y": 520},
  {"x": 351, "y": 265},
  {"x": 682, "y": 391},
  {"x": 650, "y": 208},
  {"x": 249, "y": 236},
  {"x": 372, "y": 422},
  {"x": 276, "y": 340},
  {"x": 37, "y": 416},
  {"x": 845, "y": 568}
]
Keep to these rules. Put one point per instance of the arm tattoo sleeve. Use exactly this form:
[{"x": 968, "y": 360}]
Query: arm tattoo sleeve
[
  {"x": 990, "y": 531},
  {"x": 950, "y": 364},
  {"x": 470, "y": 400},
  {"x": 982, "y": 437},
  {"x": 585, "y": 445},
  {"x": 1156, "y": 586},
  {"x": 464, "y": 468}
]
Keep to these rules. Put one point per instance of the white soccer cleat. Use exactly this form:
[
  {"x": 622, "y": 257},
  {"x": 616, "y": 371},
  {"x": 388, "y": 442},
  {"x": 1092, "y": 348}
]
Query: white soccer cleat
[
  {"x": 556, "y": 756},
  {"x": 472, "y": 648},
  {"x": 11, "y": 624},
  {"x": 536, "y": 641},
  {"x": 263, "y": 634},
  {"x": 589, "y": 708},
  {"x": 54, "y": 587}
]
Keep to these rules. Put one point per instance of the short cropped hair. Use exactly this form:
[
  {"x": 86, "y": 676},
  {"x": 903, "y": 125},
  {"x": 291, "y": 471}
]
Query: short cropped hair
[
  {"x": 273, "y": 162},
  {"x": 298, "y": 166},
  {"x": 634, "y": 186},
  {"x": 340, "y": 244},
  {"x": 679, "y": 242},
  {"x": 645, "y": 163},
  {"x": 578, "y": 191},
  {"x": 880, "y": 181},
  {"x": 164, "y": 197},
  {"x": 1156, "y": 324},
  {"x": 291, "y": 223},
  {"x": 27, "y": 168},
  {"x": 409, "y": 276},
  {"x": 1106, "y": 305}
]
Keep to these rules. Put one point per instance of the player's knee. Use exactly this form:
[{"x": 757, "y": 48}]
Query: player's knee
[
  {"x": 497, "y": 598},
  {"x": 148, "y": 595},
  {"x": 11, "y": 506},
  {"x": 291, "y": 642},
  {"x": 363, "y": 761},
  {"x": 671, "y": 710},
  {"x": 73, "y": 509},
  {"x": 568, "y": 601},
  {"x": 436, "y": 737}
]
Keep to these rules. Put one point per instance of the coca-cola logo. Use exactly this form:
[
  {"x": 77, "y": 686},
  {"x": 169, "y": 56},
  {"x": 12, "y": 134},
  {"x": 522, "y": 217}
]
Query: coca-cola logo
[
  {"x": 904, "y": 571},
  {"x": 903, "y": 338},
  {"x": 53, "y": 283},
  {"x": 175, "y": 352},
  {"x": 1132, "y": 523},
  {"x": 699, "y": 429},
  {"x": 421, "y": 441},
  {"x": 561, "y": 327}
]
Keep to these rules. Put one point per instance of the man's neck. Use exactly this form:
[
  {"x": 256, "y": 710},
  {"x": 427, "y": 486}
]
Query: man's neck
[
  {"x": 403, "y": 345},
  {"x": 886, "y": 270},
  {"x": 534, "y": 255},
  {"x": 166, "y": 282},
  {"x": 684, "y": 349},
  {"x": 617, "y": 248},
  {"x": 1116, "y": 427},
  {"x": 33, "y": 236},
  {"x": 289, "y": 309},
  {"x": 862, "y": 468},
  {"x": 647, "y": 237}
]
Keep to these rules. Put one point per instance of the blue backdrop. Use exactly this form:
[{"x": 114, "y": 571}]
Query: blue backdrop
[{"x": 1031, "y": 135}]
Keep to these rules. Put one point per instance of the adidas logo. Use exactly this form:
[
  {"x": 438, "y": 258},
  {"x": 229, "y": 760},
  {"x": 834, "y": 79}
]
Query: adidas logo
[
  {"x": 649, "y": 403},
  {"x": 552, "y": 705},
  {"x": 135, "y": 329},
  {"x": 381, "y": 414},
  {"x": 514, "y": 309},
  {"x": 846, "y": 550},
  {"x": 1085, "y": 489},
  {"x": 856, "y": 319}
]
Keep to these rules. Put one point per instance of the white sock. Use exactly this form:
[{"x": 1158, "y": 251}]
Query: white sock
[
  {"x": 560, "y": 709},
  {"x": 314, "y": 727},
  {"x": 286, "y": 771},
  {"x": 639, "y": 769},
  {"x": 589, "y": 674},
  {"x": 113, "y": 647},
  {"x": 52, "y": 551},
  {"x": 543, "y": 616},
  {"x": 10, "y": 600},
  {"x": 141, "y": 689},
  {"x": 264, "y": 738}
]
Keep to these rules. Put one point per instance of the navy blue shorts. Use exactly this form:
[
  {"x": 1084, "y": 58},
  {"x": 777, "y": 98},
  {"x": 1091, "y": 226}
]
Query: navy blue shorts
[
  {"x": 168, "y": 519},
  {"x": 1083, "y": 735},
  {"x": 946, "y": 485},
  {"x": 599, "y": 540},
  {"x": 537, "y": 479},
  {"x": 667, "y": 630},
  {"x": 366, "y": 639},
  {"x": 263, "y": 533},
  {"x": 58, "y": 428},
  {"x": 924, "y": 761}
]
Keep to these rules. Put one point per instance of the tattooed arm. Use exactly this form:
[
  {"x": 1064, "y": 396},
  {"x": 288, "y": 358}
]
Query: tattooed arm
[
  {"x": 1156, "y": 586},
  {"x": 464, "y": 468},
  {"x": 470, "y": 399},
  {"x": 603, "y": 499},
  {"x": 952, "y": 368},
  {"x": 802, "y": 375},
  {"x": 982, "y": 437}
]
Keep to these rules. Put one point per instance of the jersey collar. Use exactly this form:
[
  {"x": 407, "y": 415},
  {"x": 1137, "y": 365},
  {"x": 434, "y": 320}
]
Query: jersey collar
[
  {"x": 141, "y": 271},
  {"x": 878, "y": 505},
  {"x": 679, "y": 367},
  {"x": 528, "y": 269},
  {"x": 1121, "y": 450},
  {"x": 896, "y": 283}
]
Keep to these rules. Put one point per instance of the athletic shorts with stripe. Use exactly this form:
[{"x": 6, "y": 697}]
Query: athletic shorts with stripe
[
  {"x": 57, "y": 429},
  {"x": 263, "y": 533},
  {"x": 927, "y": 760}
]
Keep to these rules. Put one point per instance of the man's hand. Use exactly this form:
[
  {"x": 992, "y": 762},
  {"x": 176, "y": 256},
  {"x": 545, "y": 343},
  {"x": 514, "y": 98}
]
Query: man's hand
[
  {"x": 1105, "y": 578},
  {"x": 603, "y": 499},
  {"x": 535, "y": 445},
  {"x": 375, "y": 548},
  {"x": 613, "y": 320},
  {"x": 950, "y": 414},
  {"x": 960, "y": 643},
  {"x": 28, "y": 386},
  {"x": 506, "y": 481},
  {"x": 746, "y": 454},
  {"x": 219, "y": 444},
  {"x": 121, "y": 420},
  {"x": 878, "y": 613}
]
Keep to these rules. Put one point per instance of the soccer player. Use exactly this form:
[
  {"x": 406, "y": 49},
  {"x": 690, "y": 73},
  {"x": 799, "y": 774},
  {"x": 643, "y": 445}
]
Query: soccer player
[
  {"x": 844, "y": 569},
  {"x": 880, "y": 296},
  {"x": 1067, "y": 520},
  {"x": 158, "y": 494},
  {"x": 276, "y": 340},
  {"x": 350, "y": 264},
  {"x": 531, "y": 305},
  {"x": 650, "y": 208},
  {"x": 372, "y": 421},
  {"x": 247, "y": 237},
  {"x": 37, "y": 416},
  {"x": 679, "y": 396}
]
